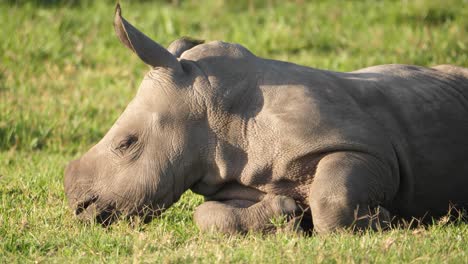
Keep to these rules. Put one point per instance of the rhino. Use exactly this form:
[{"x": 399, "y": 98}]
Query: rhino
[{"x": 261, "y": 139}]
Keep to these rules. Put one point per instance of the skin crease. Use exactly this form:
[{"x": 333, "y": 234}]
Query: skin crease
[{"x": 262, "y": 139}]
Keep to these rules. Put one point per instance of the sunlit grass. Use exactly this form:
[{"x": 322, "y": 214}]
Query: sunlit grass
[{"x": 64, "y": 79}]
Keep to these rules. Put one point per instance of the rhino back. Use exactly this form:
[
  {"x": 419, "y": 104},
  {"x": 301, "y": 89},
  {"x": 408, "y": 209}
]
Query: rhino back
[{"x": 425, "y": 113}]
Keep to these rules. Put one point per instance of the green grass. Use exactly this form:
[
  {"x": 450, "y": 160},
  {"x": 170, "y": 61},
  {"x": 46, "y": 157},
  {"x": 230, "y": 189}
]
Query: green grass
[{"x": 64, "y": 79}]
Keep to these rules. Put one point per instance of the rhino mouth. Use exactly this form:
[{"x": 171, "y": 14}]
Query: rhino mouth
[
  {"x": 89, "y": 210},
  {"x": 82, "y": 206}
]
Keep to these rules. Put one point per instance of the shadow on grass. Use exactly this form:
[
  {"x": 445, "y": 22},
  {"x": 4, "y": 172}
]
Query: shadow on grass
[{"x": 455, "y": 216}]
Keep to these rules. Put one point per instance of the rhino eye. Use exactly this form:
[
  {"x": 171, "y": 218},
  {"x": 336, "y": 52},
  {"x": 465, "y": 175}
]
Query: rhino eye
[{"x": 125, "y": 144}]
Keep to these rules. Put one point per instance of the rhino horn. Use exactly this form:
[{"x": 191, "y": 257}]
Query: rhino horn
[{"x": 149, "y": 51}]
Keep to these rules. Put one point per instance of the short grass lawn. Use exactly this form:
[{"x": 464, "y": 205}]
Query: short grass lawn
[{"x": 65, "y": 78}]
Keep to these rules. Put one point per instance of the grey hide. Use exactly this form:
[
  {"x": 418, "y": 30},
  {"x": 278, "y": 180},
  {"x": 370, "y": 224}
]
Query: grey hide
[{"x": 262, "y": 139}]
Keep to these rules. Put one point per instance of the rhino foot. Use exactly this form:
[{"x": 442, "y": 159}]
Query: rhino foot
[{"x": 241, "y": 216}]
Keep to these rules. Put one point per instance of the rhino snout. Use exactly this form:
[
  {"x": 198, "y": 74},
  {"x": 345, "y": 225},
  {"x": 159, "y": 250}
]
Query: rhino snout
[
  {"x": 81, "y": 199},
  {"x": 78, "y": 180},
  {"x": 85, "y": 202},
  {"x": 70, "y": 170}
]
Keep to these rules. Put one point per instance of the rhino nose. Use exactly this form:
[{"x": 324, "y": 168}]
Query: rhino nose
[
  {"x": 76, "y": 182},
  {"x": 78, "y": 194}
]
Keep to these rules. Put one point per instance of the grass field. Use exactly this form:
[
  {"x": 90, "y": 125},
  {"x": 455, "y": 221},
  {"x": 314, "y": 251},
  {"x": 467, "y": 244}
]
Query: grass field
[{"x": 65, "y": 78}]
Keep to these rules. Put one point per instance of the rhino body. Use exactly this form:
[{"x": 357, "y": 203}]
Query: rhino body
[{"x": 261, "y": 138}]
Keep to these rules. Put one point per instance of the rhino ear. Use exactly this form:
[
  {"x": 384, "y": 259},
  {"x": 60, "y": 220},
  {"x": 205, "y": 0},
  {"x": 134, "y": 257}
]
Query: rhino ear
[
  {"x": 178, "y": 46},
  {"x": 149, "y": 51}
]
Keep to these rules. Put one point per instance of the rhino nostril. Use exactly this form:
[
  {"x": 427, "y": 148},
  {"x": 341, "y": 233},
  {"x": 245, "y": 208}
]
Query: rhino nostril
[{"x": 85, "y": 204}]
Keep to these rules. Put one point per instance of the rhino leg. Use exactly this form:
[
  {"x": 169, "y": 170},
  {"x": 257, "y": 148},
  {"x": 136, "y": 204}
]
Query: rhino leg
[
  {"x": 348, "y": 191},
  {"x": 241, "y": 216}
]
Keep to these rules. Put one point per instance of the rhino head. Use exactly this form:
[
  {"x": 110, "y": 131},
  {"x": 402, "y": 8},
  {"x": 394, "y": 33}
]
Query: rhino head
[{"x": 163, "y": 143}]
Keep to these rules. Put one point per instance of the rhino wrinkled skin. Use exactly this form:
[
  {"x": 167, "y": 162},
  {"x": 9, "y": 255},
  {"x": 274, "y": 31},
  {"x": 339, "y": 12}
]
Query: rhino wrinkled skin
[{"x": 260, "y": 139}]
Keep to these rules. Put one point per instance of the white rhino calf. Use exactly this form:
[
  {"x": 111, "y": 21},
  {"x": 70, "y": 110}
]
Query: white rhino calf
[{"x": 261, "y": 138}]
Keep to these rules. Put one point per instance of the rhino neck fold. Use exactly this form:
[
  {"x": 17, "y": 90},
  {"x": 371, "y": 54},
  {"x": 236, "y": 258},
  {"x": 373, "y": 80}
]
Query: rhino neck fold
[
  {"x": 231, "y": 108},
  {"x": 225, "y": 156}
]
